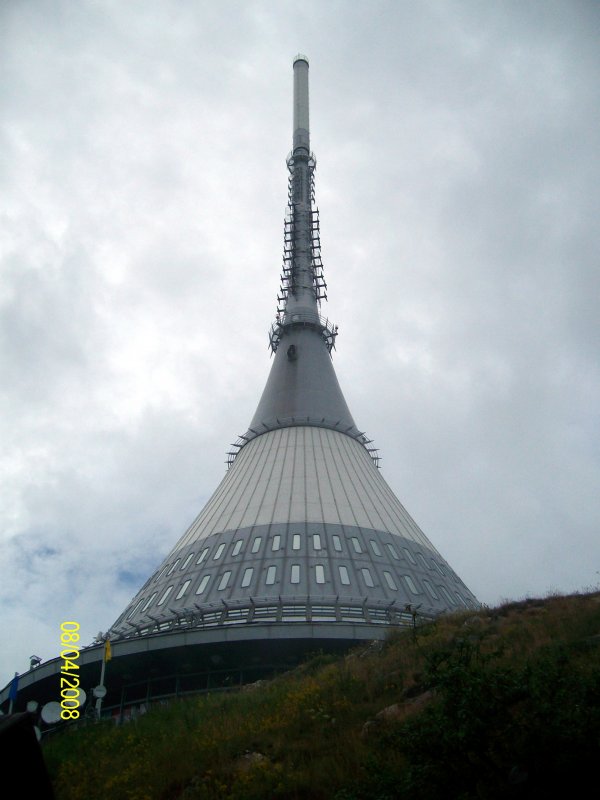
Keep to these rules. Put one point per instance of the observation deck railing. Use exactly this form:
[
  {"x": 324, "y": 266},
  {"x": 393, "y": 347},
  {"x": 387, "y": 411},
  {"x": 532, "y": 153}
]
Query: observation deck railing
[
  {"x": 283, "y": 609},
  {"x": 289, "y": 321}
]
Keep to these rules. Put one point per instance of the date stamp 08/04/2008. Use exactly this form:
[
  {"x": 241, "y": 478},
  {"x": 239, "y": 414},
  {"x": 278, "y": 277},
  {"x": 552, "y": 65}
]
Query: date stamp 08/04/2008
[{"x": 69, "y": 676}]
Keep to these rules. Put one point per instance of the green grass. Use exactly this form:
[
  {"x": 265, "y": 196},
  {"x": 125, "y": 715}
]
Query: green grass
[{"x": 502, "y": 703}]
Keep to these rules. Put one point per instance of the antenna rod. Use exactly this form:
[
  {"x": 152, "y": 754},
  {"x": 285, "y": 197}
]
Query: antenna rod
[
  {"x": 302, "y": 296},
  {"x": 301, "y": 126}
]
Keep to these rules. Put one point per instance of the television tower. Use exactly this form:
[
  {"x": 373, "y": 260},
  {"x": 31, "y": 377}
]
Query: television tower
[
  {"x": 303, "y": 529},
  {"x": 303, "y": 546}
]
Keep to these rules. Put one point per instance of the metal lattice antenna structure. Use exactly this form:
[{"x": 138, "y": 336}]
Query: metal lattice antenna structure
[
  {"x": 302, "y": 388},
  {"x": 303, "y": 545}
]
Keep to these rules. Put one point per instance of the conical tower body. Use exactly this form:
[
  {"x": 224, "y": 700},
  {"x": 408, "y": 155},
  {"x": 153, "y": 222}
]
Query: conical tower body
[{"x": 303, "y": 530}]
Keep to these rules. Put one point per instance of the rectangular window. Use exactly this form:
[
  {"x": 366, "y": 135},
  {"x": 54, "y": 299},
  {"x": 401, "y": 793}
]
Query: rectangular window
[
  {"x": 411, "y": 584},
  {"x": 271, "y": 573},
  {"x": 187, "y": 561},
  {"x": 276, "y": 542},
  {"x": 161, "y": 573},
  {"x": 202, "y": 556},
  {"x": 316, "y": 541},
  {"x": 430, "y": 589},
  {"x": 390, "y": 580},
  {"x": 219, "y": 552},
  {"x": 223, "y": 583},
  {"x": 344, "y": 577},
  {"x": 256, "y": 544},
  {"x": 320, "y": 573},
  {"x": 409, "y": 555},
  {"x": 337, "y": 543},
  {"x": 393, "y": 552},
  {"x": 173, "y": 567},
  {"x": 295, "y": 573},
  {"x": 247, "y": 577},
  {"x": 356, "y": 545},
  {"x": 134, "y": 609},
  {"x": 367, "y": 577},
  {"x": 183, "y": 589},
  {"x": 438, "y": 567},
  {"x": 296, "y": 541},
  {"x": 203, "y": 584},
  {"x": 421, "y": 560},
  {"x": 444, "y": 591},
  {"x": 150, "y": 600},
  {"x": 237, "y": 547},
  {"x": 375, "y": 547},
  {"x": 167, "y": 592}
]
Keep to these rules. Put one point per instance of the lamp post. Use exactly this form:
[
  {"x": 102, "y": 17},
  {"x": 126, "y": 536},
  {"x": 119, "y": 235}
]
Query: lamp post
[{"x": 100, "y": 690}]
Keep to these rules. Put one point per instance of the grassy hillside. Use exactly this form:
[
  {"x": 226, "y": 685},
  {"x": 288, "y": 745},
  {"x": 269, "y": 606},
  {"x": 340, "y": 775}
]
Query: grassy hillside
[{"x": 503, "y": 703}]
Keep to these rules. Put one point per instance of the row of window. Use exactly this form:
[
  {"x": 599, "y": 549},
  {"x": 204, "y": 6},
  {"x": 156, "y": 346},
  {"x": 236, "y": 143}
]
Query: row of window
[
  {"x": 296, "y": 542},
  {"x": 319, "y": 574}
]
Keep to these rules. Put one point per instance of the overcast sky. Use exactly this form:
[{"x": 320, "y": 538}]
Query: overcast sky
[{"x": 143, "y": 185}]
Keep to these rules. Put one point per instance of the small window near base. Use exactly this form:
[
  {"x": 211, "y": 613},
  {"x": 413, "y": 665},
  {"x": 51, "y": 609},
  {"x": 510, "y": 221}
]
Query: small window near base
[
  {"x": 390, "y": 580},
  {"x": 461, "y": 599},
  {"x": 430, "y": 589},
  {"x": 344, "y": 577},
  {"x": 237, "y": 547},
  {"x": 187, "y": 561},
  {"x": 134, "y": 609},
  {"x": 219, "y": 552},
  {"x": 393, "y": 552},
  {"x": 246, "y": 580},
  {"x": 161, "y": 573},
  {"x": 166, "y": 593},
  {"x": 183, "y": 589},
  {"x": 223, "y": 583},
  {"x": 271, "y": 574},
  {"x": 447, "y": 596},
  {"x": 150, "y": 601},
  {"x": 367, "y": 577}
]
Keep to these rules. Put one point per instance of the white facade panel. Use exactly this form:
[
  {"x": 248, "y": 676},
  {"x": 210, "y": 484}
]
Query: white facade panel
[{"x": 303, "y": 475}]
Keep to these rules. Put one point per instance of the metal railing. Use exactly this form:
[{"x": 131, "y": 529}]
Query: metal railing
[
  {"x": 289, "y": 321},
  {"x": 284, "y": 609}
]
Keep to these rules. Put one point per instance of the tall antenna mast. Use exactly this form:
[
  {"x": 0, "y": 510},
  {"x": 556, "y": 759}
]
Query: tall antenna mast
[
  {"x": 302, "y": 388},
  {"x": 302, "y": 283},
  {"x": 301, "y": 105}
]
